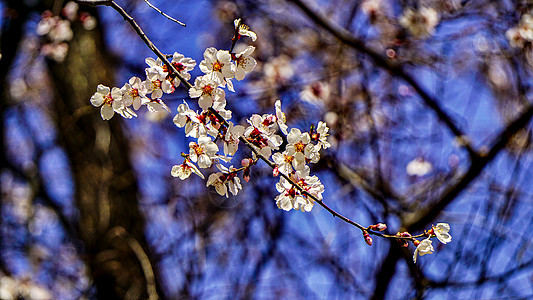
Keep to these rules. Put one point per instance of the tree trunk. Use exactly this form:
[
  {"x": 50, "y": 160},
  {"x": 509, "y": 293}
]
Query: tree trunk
[{"x": 111, "y": 225}]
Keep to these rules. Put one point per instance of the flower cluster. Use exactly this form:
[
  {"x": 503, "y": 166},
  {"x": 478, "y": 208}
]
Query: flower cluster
[
  {"x": 522, "y": 34},
  {"x": 420, "y": 23},
  {"x": 288, "y": 151},
  {"x": 136, "y": 92},
  {"x": 425, "y": 246},
  {"x": 56, "y": 30}
]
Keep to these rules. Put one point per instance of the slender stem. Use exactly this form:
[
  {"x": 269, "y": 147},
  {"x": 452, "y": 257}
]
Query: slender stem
[{"x": 164, "y": 14}]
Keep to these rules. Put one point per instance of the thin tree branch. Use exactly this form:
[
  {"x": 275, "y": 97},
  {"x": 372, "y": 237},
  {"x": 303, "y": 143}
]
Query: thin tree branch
[{"x": 164, "y": 14}]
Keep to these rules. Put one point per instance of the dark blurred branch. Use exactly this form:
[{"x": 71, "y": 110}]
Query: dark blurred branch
[
  {"x": 146, "y": 265},
  {"x": 425, "y": 215},
  {"x": 397, "y": 70}
]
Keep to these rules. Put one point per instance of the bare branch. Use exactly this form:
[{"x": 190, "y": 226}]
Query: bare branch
[{"x": 164, "y": 14}]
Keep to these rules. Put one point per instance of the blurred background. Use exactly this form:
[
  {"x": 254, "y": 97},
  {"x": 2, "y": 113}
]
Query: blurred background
[{"x": 428, "y": 104}]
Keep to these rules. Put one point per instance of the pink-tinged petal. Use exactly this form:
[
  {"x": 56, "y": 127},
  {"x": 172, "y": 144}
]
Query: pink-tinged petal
[
  {"x": 204, "y": 161},
  {"x": 107, "y": 112},
  {"x": 195, "y": 93},
  {"x": 223, "y": 56},
  {"x": 177, "y": 57},
  {"x": 205, "y": 67},
  {"x": 156, "y": 94},
  {"x": 205, "y": 102},
  {"x": 306, "y": 138},
  {"x": 167, "y": 87},
  {"x": 137, "y": 103},
  {"x": 249, "y": 50},
  {"x": 97, "y": 99},
  {"x": 240, "y": 74},
  {"x": 117, "y": 104},
  {"x": 116, "y": 93},
  {"x": 210, "y": 54},
  {"x": 102, "y": 89},
  {"x": 151, "y": 62}
]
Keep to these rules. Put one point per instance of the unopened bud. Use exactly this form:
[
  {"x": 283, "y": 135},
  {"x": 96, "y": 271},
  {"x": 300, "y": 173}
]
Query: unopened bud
[
  {"x": 416, "y": 243},
  {"x": 378, "y": 227},
  {"x": 368, "y": 239},
  {"x": 275, "y": 171},
  {"x": 246, "y": 162},
  {"x": 406, "y": 234},
  {"x": 402, "y": 242}
]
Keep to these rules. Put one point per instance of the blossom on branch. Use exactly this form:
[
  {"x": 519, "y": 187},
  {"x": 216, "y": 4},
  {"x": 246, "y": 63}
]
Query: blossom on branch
[
  {"x": 420, "y": 23},
  {"x": 424, "y": 247},
  {"x": 291, "y": 198},
  {"x": 280, "y": 117},
  {"x": 110, "y": 101},
  {"x": 183, "y": 65},
  {"x": 225, "y": 181},
  {"x": 203, "y": 151},
  {"x": 189, "y": 119},
  {"x": 231, "y": 138},
  {"x": 244, "y": 30},
  {"x": 207, "y": 89},
  {"x": 441, "y": 231},
  {"x": 133, "y": 93},
  {"x": 244, "y": 63},
  {"x": 184, "y": 170},
  {"x": 217, "y": 64}
]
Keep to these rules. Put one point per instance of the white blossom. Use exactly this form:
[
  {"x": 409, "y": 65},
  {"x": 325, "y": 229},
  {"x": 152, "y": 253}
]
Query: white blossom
[
  {"x": 244, "y": 30},
  {"x": 110, "y": 101},
  {"x": 217, "y": 63},
  {"x": 300, "y": 143},
  {"x": 156, "y": 69},
  {"x": 183, "y": 65},
  {"x": 423, "y": 248},
  {"x": 225, "y": 181},
  {"x": 203, "y": 151},
  {"x": 418, "y": 167},
  {"x": 280, "y": 117},
  {"x": 207, "y": 89},
  {"x": 244, "y": 63},
  {"x": 190, "y": 120},
  {"x": 133, "y": 93},
  {"x": 441, "y": 231},
  {"x": 420, "y": 23},
  {"x": 184, "y": 170},
  {"x": 322, "y": 135},
  {"x": 157, "y": 84},
  {"x": 231, "y": 139},
  {"x": 291, "y": 198}
]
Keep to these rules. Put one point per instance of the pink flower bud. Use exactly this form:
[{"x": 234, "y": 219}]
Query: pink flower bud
[
  {"x": 381, "y": 226},
  {"x": 368, "y": 239},
  {"x": 246, "y": 162},
  {"x": 275, "y": 171},
  {"x": 416, "y": 243}
]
